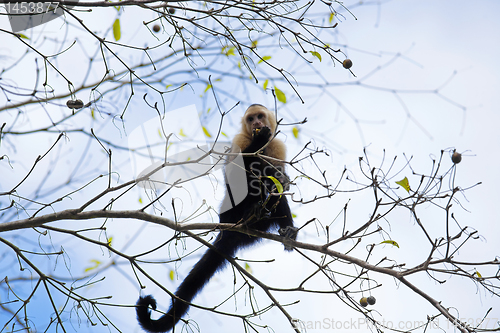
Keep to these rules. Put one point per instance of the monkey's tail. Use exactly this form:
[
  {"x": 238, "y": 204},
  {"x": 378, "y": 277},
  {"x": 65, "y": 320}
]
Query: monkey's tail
[{"x": 192, "y": 285}]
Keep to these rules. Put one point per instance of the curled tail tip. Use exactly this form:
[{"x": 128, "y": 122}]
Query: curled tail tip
[
  {"x": 164, "y": 324},
  {"x": 146, "y": 301},
  {"x": 192, "y": 284},
  {"x": 143, "y": 312},
  {"x": 142, "y": 309}
]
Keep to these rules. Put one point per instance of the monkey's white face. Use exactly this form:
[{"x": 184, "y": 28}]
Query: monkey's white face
[
  {"x": 256, "y": 120},
  {"x": 256, "y": 117}
]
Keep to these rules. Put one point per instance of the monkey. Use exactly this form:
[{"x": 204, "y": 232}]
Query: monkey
[
  {"x": 256, "y": 117},
  {"x": 262, "y": 209}
]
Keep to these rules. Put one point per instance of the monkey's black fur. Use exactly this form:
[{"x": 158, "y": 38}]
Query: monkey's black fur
[{"x": 257, "y": 211}]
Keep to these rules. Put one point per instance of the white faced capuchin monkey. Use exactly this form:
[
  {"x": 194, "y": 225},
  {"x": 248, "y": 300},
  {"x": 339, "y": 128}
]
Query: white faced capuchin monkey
[{"x": 259, "y": 211}]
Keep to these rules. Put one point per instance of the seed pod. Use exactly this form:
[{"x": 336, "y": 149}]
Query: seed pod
[
  {"x": 70, "y": 104},
  {"x": 156, "y": 28},
  {"x": 371, "y": 300},
  {"x": 363, "y": 302},
  {"x": 78, "y": 104},
  {"x": 456, "y": 157},
  {"x": 347, "y": 63},
  {"x": 171, "y": 10}
]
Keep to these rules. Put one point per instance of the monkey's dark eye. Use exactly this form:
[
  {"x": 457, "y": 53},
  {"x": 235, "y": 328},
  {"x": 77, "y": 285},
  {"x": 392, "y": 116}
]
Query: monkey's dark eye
[
  {"x": 260, "y": 116},
  {"x": 250, "y": 119}
]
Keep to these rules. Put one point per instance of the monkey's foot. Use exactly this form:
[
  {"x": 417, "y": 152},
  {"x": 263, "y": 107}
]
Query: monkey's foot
[{"x": 290, "y": 233}]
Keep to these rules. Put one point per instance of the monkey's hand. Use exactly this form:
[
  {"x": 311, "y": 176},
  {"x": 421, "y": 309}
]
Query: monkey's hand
[
  {"x": 262, "y": 135},
  {"x": 290, "y": 233}
]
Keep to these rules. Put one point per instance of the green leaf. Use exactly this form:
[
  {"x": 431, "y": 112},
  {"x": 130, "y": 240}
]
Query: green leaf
[
  {"x": 316, "y": 54},
  {"x": 248, "y": 268},
  {"x": 92, "y": 114},
  {"x": 295, "y": 132},
  {"x": 96, "y": 264},
  {"x": 207, "y": 133},
  {"x": 280, "y": 95},
  {"x": 478, "y": 274},
  {"x": 110, "y": 239},
  {"x": 405, "y": 184},
  {"x": 168, "y": 86},
  {"x": 117, "y": 30},
  {"x": 171, "y": 275},
  {"x": 330, "y": 19},
  {"x": 227, "y": 51},
  {"x": 393, "y": 243},
  {"x": 276, "y": 182},
  {"x": 264, "y": 58},
  {"x": 181, "y": 133},
  {"x": 254, "y": 44},
  {"x": 23, "y": 36},
  {"x": 208, "y": 87},
  {"x": 140, "y": 200},
  {"x": 265, "y": 84}
]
